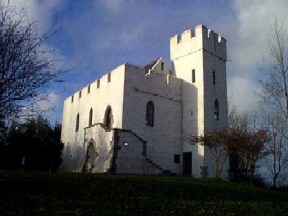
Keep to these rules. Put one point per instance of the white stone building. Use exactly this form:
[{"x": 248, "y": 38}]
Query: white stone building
[{"x": 137, "y": 119}]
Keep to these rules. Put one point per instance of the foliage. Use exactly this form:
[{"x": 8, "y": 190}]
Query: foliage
[
  {"x": 102, "y": 194},
  {"x": 247, "y": 145},
  {"x": 25, "y": 64},
  {"x": 33, "y": 145},
  {"x": 216, "y": 142}
]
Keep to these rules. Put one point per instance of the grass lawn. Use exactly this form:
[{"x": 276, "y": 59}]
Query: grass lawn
[{"x": 101, "y": 194}]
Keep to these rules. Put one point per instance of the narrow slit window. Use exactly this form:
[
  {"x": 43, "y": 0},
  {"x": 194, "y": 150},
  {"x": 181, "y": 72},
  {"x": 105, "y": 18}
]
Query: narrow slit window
[
  {"x": 80, "y": 92},
  {"x": 193, "y": 76},
  {"x": 109, "y": 77},
  {"x": 88, "y": 90},
  {"x": 150, "y": 114},
  {"x": 216, "y": 109},
  {"x": 98, "y": 83},
  {"x": 72, "y": 98},
  {"x": 77, "y": 123},
  {"x": 162, "y": 66},
  {"x": 90, "y": 117},
  {"x": 214, "y": 78}
]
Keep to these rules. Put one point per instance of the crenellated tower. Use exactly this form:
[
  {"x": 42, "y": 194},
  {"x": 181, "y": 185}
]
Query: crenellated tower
[{"x": 199, "y": 58}]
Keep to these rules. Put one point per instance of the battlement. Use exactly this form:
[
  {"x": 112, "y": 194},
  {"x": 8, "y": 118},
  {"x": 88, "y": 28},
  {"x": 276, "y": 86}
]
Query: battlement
[{"x": 201, "y": 38}]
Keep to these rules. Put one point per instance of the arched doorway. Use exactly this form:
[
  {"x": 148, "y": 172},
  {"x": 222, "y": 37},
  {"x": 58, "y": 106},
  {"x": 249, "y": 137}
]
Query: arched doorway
[{"x": 90, "y": 159}]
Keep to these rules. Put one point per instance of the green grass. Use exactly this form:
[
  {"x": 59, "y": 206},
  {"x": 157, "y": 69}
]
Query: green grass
[{"x": 102, "y": 194}]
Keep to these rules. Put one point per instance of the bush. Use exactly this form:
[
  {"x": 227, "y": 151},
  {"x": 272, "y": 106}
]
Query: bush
[{"x": 34, "y": 146}]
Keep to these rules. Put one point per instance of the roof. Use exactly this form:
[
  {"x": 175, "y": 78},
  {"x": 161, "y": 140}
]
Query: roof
[{"x": 150, "y": 65}]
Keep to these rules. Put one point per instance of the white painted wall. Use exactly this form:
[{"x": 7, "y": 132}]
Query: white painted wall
[
  {"x": 205, "y": 52},
  {"x": 165, "y": 138},
  {"x": 108, "y": 94}
]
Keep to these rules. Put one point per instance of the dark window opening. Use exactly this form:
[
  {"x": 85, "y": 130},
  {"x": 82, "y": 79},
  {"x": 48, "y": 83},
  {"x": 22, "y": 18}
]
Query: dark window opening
[
  {"x": 109, "y": 77},
  {"x": 162, "y": 66},
  {"x": 108, "y": 118},
  {"x": 77, "y": 123},
  {"x": 150, "y": 114},
  {"x": 80, "y": 94},
  {"x": 216, "y": 110},
  {"x": 215, "y": 41},
  {"x": 90, "y": 117},
  {"x": 72, "y": 98},
  {"x": 193, "y": 76},
  {"x": 98, "y": 83},
  {"x": 214, "y": 78},
  {"x": 88, "y": 90},
  {"x": 176, "y": 158}
]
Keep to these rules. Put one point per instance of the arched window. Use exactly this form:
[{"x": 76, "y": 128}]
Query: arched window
[
  {"x": 216, "y": 110},
  {"x": 150, "y": 114},
  {"x": 77, "y": 123},
  {"x": 90, "y": 117},
  {"x": 108, "y": 118}
]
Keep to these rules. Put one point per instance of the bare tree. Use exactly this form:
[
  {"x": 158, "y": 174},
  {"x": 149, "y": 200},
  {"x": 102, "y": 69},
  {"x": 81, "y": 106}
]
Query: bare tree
[
  {"x": 276, "y": 149},
  {"x": 275, "y": 96},
  {"x": 25, "y": 64},
  {"x": 275, "y": 70}
]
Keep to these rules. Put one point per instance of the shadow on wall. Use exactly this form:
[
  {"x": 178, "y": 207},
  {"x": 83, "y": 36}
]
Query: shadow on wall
[
  {"x": 97, "y": 154},
  {"x": 193, "y": 157},
  {"x": 71, "y": 158}
]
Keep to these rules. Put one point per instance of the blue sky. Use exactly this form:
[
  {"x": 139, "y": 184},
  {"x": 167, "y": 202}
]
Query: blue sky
[{"x": 95, "y": 36}]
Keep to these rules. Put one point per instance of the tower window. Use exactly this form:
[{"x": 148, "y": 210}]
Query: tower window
[
  {"x": 150, "y": 114},
  {"x": 193, "y": 76},
  {"x": 98, "y": 83},
  {"x": 88, "y": 90},
  {"x": 90, "y": 117},
  {"x": 77, "y": 123},
  {"x": 216, "y": 109},
  {"x": 162, "y": 66},
  {"x": 72, "y": 98},
  {"x": 80, "y": 94},
  {"x": 214, "y": 78},
  {"x": 109, "y": 77}
]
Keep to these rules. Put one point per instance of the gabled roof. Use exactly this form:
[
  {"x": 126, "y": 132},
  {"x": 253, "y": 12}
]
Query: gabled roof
[{"x": 150, "y": 65}]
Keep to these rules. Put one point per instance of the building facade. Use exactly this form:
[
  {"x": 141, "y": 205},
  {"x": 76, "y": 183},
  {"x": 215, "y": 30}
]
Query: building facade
[{"x": 138, "y": 119}]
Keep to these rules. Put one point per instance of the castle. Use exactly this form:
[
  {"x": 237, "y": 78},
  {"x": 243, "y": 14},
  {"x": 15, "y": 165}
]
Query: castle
[{"x": 138, "y": 119}]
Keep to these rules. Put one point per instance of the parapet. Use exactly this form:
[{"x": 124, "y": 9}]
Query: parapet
[{"x": 201, "y": 38}]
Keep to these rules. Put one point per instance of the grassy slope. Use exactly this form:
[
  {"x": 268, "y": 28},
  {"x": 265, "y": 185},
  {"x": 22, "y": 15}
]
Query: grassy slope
[{"x": 88, "y": 194}]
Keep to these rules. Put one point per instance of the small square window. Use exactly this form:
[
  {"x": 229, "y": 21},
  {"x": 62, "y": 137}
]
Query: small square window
[
  {"x": 98, "y": 83},
  {"x": 176, "y": 158}
]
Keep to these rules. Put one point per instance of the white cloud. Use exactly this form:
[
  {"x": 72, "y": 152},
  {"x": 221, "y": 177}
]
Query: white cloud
[
  {"x": 40, "y": 11},
  {"x": 247, "y": 43},
  {"x": 254, "y": 22},
  {"x": 242, "y": 94},
  {"x": 48, "y": 103}
]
